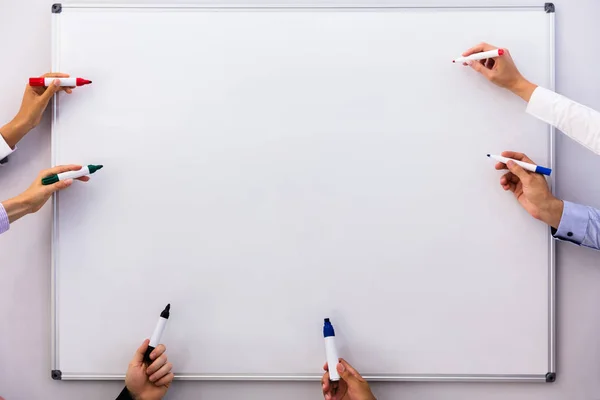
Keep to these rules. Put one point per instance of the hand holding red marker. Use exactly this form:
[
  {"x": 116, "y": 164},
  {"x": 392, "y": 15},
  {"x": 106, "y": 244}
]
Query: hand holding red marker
[
  {"x": 69, "y": 82},
  {"x": 480, "y": 56}
]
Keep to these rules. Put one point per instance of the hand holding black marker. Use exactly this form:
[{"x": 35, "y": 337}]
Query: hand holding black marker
[{"x": 158, "y": 332}]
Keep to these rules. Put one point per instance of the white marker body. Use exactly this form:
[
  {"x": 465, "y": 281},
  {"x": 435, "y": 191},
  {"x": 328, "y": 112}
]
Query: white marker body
[
  {"x": 63, "y": 81},
  {"x": 479, "y": 56},
  {"x": 524, "y": 165},
  {"x": 158, "y": 332},
  {"x": 73, "y": 174},
  {"x": 332, "y": 358}
]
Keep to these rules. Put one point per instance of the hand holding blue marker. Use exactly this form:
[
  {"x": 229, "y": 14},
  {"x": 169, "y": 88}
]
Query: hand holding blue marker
[{"x": 524, "y": 165}]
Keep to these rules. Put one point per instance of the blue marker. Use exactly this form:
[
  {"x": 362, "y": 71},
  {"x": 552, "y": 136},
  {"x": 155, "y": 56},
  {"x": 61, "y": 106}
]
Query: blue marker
[
  {"x": 524, "y": 165},
  {"x": 331, "y": 351}
]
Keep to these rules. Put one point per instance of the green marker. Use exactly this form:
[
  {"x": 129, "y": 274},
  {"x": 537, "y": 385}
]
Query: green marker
[{"x": 90, "y": 169}]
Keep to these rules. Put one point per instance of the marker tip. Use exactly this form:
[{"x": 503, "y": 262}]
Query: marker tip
[
  {"x": 326, "y": 320},
  {"x": 488, "y": 155}
]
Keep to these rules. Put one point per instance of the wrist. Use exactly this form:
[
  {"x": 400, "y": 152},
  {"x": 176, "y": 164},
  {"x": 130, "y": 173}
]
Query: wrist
[
  {"x": 552, "y": 212},
  {"x": 523, "y": 88},
  {"x": 14, "y": 131},
  {"x": 17, "y": 207}
]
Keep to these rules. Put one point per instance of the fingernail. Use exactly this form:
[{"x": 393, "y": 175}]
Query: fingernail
[
  {"x": 68, "y": 181},
  {"x": 56, "y": 82},
  {"x": 469, "y": 62},
  {"x": 341, "y": 367}
]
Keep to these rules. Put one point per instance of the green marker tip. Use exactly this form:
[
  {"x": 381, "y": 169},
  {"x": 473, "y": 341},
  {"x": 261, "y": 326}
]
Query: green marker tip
[{"x": 94, "y": 168}]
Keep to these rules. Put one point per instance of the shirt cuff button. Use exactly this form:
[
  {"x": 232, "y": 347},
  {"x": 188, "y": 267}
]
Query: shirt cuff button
[{"x": 569, "y": 234}]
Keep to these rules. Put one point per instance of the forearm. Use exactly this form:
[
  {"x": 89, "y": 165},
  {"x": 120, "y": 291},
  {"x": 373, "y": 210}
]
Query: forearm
[
  {"x": 16, "y": 208},
  {"x": 13, "y": 132},
  {"x": 523, "y": 88}
]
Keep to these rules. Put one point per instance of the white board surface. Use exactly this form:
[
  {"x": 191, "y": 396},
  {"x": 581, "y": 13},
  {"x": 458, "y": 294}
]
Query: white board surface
[{"x": 267, "y": 168}]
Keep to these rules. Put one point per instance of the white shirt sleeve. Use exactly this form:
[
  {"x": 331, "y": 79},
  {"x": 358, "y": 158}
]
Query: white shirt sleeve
[
  {"x": 577, "y": 121},
  {"x": 5, "y": 149}
]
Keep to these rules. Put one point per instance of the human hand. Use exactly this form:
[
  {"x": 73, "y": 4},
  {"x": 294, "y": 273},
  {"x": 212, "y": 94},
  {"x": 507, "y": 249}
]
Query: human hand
[
  {"x": 531, "y": 190},
  {"x": 32, "y": 199},
  {"x": 35, "y": 100},
  {"x": 149, "y": 382},
  {"x": 501, "y": 71},
  {"x": 351, "y": 385}
]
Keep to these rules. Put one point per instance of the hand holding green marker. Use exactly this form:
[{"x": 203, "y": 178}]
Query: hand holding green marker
[{"x": 90, "y": 169}]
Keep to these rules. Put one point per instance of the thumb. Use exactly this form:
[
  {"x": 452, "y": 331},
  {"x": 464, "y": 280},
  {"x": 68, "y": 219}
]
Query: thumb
[
  {"x": 138, "y": 357},
  {"x": 50, "y": 90},
  {"x": 60, "y": 185},
  {"x": 345, "y": 374},
  {"x": 477, "y": 66},
  {"x": 518, "y": 171}
]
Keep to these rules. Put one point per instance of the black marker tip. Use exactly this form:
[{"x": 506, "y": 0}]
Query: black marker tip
[
  {"x": 165, "y": 312},
  {"x": 488, "y": 155}
]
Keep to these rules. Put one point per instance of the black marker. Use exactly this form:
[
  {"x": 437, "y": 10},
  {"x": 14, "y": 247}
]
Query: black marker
[{"x": 158, "y": 331}]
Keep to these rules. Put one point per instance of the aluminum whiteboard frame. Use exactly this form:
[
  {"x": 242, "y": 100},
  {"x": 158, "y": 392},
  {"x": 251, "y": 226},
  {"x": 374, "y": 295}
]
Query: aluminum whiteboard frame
[{"x": 548, "y": 376}]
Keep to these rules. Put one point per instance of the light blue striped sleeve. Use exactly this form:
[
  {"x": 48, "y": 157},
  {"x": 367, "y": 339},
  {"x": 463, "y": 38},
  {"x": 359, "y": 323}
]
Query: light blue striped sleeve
[
  {"x": 580, "y": 225},
  {"x": 4, "y": 223}
]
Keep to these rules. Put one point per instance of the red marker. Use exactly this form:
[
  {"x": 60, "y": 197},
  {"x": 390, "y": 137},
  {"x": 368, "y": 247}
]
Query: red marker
[
  {"x": 480, "y": 56},
  {"x": 70, "y": 82}
]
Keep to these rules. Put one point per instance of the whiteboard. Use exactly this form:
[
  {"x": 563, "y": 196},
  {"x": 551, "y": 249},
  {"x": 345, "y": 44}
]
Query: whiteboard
[{"x": 268, "y": 167}]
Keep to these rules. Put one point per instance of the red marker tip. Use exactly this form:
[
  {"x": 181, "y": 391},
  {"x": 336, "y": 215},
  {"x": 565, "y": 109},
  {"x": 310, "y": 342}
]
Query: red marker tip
[
  {"x": 81, "y": 82},
  {"x": 500, "y": 52},
  {"x": 453, "y": 61}
]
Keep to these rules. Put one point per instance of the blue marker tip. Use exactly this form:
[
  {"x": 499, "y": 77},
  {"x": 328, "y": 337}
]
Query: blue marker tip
[{"x": 328, "y": 328}]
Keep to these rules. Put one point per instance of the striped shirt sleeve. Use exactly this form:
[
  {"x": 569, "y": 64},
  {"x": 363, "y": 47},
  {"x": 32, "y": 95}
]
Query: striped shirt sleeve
[
  {"x": 580, "y": 225},
  {"x": 4, "y": 223}
]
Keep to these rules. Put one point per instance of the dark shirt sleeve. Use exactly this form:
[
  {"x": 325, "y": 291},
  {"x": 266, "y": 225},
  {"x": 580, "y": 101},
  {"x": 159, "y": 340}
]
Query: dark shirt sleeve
[{"x": 125, "y": 395}]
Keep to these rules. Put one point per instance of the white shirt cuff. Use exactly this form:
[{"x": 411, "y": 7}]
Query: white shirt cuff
[{"x": 5, "y": 149}]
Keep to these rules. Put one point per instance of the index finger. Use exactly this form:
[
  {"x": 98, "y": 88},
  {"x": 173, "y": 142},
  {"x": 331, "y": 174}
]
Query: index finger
[
  {"x": 479, "y": 48},
  {"x": 517, "y": 156},
  {"x": 61, "y": 168},
  {"x": 56, "y": 75}
]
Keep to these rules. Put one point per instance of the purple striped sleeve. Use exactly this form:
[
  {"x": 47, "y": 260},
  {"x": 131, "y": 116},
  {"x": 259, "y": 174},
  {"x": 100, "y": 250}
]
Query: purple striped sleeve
[{"x": 4, "y": 223}]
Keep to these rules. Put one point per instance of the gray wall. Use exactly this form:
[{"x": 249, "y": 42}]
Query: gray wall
[{"x": 25, "y": 249}]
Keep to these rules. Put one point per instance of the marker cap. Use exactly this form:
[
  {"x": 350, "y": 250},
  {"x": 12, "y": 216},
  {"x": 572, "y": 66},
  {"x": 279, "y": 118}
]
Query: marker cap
[
  {"x": 543, "y": 170},
  {"x": 36, "y": 81},
  {"x": 49, "y": 180}
]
